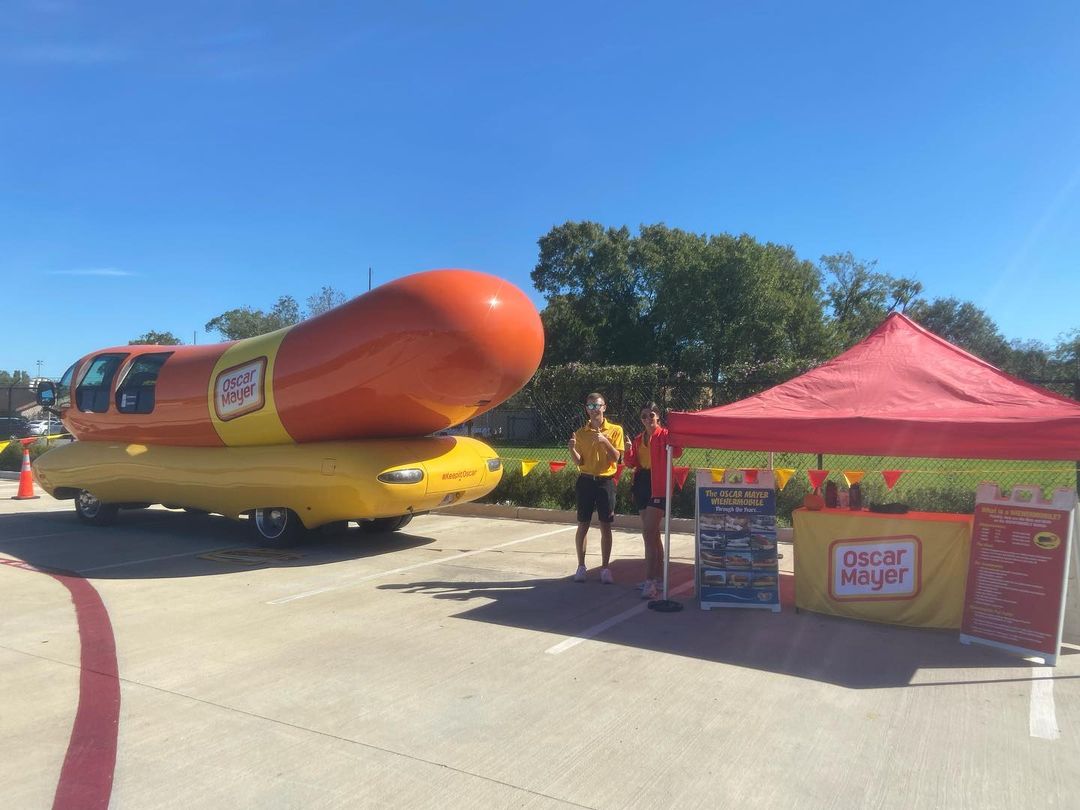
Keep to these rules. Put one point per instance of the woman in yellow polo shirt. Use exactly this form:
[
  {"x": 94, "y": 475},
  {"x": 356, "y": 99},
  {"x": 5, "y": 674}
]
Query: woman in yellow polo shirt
[{"x": 597, "y": 450}]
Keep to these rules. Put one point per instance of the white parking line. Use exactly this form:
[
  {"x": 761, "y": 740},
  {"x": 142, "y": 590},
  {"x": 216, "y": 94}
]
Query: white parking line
[
  {"x": 597, "y": 629},
  {"x": 1042, "y": 721},
  {"x": 353, "y": 581}
]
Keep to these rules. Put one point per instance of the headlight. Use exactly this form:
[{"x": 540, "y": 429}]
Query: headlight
[
  {"x": 494, "y": 465},
  {"x": 409, "y": 476}
]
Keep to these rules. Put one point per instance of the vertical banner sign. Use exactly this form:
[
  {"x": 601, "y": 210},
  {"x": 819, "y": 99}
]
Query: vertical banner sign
[
  {"x": 1017, "y": 574},
  {"x": 736, "y": 541}
]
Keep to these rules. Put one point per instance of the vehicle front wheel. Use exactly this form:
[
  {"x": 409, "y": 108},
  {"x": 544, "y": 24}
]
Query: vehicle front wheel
[
  {"x": 90, "y": 510},
  {"x": 390, "y": 524},
  {"x": 277, "y": 526}
]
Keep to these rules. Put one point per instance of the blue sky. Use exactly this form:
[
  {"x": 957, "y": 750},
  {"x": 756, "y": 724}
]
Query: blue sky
[{"x": 162, "y": 163}]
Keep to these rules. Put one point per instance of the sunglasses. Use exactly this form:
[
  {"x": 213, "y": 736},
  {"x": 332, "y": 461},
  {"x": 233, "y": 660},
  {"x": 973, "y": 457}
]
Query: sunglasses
[
  {"x": 594, "y": 406},
  {"x": 650, "y": 415}
]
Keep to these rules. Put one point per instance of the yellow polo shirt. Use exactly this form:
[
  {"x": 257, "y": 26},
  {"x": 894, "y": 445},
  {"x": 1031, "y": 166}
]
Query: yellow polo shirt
[{"x": 594, "y": 458}]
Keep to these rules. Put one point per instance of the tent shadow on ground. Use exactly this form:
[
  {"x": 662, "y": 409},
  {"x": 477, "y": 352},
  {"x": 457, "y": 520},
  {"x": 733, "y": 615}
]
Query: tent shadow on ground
[
  {"x": 848, "y": 653},
  {"x": 159, "y": 544}
]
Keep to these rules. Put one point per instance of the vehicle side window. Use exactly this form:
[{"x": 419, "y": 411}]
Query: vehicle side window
[
  {"x": 92, "y": 392},
  {"x": 135, "y": 393},
  {"x": 63, "y": 389}
]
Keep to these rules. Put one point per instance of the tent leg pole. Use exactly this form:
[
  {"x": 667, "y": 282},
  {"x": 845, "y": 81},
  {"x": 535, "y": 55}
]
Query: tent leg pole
[{"x": 667, "y": 518}]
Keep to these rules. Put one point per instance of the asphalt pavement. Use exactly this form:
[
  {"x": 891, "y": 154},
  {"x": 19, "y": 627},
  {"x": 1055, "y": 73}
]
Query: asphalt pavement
[{"x": 164, "y": 663}]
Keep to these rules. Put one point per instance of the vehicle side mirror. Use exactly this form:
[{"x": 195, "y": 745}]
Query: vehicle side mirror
[{"x": 46, "y": 394}]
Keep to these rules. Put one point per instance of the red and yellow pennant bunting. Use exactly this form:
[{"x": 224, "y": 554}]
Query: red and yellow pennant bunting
[
  {"x": 853, "y": 476},
  {"x": 717, "y": 474},
  {"x": 527, "y": 465},
  {"x": 618, "y": 473},
  {"x": 556, "y": 466},
  {"x": 817, "y": 477},
  {"x": 783, "y": 475},
  {"x": 891, "y": 477},
  {"x": 680, "y": 475},
  {"x": 750, "y": 476}
]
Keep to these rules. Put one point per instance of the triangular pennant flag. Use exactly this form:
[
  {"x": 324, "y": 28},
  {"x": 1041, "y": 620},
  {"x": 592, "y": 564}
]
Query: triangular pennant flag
[
  {"x": 891, "y": 477},
  {"x": 717, "y": 474},
  {"x": 556, "y": 465},
  {"x": 853, "y": 476},
  {"x": 619, "y": 470},
  {"x": 527, "y": 465},
  {"x": 750, "y": 476},
  {"x": 783, "y": 475},
  {"x": 3, "y": 446},
  {"x": 817, "y": 477},
  {"x": 680, "y": 475}
]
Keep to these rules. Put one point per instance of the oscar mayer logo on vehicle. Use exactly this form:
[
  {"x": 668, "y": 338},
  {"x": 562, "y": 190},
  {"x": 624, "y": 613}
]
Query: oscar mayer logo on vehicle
[
  {"x": 457, "y": 476},
  {"x": 873, "y": 568},
  {"x": 240, "y": 389}
]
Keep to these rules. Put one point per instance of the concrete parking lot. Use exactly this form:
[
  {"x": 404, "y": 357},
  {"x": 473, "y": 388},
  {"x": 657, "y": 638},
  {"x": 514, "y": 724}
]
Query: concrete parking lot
[{"x": 454, "y": 664}]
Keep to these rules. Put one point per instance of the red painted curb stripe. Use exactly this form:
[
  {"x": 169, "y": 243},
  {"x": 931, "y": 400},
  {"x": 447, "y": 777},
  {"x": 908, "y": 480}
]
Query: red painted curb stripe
[{"x": 86, "y": 777}]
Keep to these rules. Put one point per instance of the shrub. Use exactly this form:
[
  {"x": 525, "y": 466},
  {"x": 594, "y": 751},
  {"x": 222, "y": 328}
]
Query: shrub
[{"x": 12, "y": 455}]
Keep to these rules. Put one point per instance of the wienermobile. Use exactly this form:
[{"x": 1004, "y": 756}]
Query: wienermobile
[{"x": 323, "y": 422}]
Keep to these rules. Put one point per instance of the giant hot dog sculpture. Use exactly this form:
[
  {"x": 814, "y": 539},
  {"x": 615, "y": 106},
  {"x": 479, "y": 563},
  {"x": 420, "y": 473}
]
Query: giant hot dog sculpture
[{"x": 324, "y": 421}]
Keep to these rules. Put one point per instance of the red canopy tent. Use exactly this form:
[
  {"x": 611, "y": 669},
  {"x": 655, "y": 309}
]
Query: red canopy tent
[{"x": 902, "y": 391}]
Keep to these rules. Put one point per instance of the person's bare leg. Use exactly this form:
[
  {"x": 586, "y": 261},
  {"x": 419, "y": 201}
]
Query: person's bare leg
[
  {"x": 645, "y": 540},
  {"x": 654, "y": 542},
  {"x": 605, "y": 543},
  {"x": 579, "y": 542}
]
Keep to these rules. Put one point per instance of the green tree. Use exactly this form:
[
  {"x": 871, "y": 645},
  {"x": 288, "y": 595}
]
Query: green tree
[
  {"x": 12, "y": 379},
  {"x": 595, "y": 296},
  {"x": 726, "y": 305},
  {"x": 323, "y": 301},
  {"x": 965, "y": 325},
  {"x": 153, "y": 338},
  {"x": 246, "y": 322},
  {"x": 860, "y": 298},
  {"x": 1066, "y": 354}
]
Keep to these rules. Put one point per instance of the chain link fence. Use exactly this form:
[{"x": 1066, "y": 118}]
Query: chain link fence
[{"x": 536, "y": 424}]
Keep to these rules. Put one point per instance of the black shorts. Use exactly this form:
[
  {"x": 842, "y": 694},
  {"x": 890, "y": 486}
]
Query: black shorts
[
  {"x": 595, "y": 493},
  {"x": 643, "y": 497}
]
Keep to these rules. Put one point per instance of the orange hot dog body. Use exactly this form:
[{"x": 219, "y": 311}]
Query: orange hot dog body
[{"x": 416, "y": 355}]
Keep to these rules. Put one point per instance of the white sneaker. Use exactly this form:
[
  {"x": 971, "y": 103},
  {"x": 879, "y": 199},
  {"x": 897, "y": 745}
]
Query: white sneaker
[
  {"x": 650, "y": 591},
  {"x": 605, "y": 577},
  {"x": 579, "y": 575}
]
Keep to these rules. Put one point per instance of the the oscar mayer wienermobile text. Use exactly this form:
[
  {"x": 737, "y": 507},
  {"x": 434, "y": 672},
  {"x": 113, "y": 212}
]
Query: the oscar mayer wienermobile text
[{"x": 318, "y": 423}]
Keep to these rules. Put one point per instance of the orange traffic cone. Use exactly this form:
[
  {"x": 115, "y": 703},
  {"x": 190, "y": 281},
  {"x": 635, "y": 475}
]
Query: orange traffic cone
[{"x": 26, "y": 475}]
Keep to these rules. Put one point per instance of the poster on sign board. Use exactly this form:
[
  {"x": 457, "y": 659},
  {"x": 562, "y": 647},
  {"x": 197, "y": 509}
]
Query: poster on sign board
[
  {"x": 1018, "y": 570},
  {"x": 736, "y": 540}
]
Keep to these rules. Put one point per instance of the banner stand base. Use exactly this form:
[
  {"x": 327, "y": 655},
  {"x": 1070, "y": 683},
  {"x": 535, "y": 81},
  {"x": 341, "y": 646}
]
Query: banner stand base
[{"x": 665, "y": 605}]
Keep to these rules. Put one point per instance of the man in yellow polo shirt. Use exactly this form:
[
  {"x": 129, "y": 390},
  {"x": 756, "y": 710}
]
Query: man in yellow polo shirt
[{"x": 597, "y": 450}]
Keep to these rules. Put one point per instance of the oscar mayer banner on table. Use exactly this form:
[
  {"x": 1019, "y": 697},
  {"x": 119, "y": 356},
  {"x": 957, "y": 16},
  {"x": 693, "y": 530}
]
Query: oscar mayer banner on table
[
  {"x": 736, "y": 540},
  {"x": 1018, "y": 573},
  {"x": 904, "y": 569}
]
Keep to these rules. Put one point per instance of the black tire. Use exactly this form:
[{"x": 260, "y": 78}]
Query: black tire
[
  {"x": 335, "y": 529},
  {"x": 390, "y": 524},
  {"x": 276, "y": 526},
  {"x": 92, "y": 511}
]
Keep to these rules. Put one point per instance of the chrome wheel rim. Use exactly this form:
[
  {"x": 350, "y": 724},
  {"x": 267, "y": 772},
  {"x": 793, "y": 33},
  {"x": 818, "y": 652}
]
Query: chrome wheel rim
[
  {"x": 271, "y": 522},
  {"x": 88, "y": 504}
]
